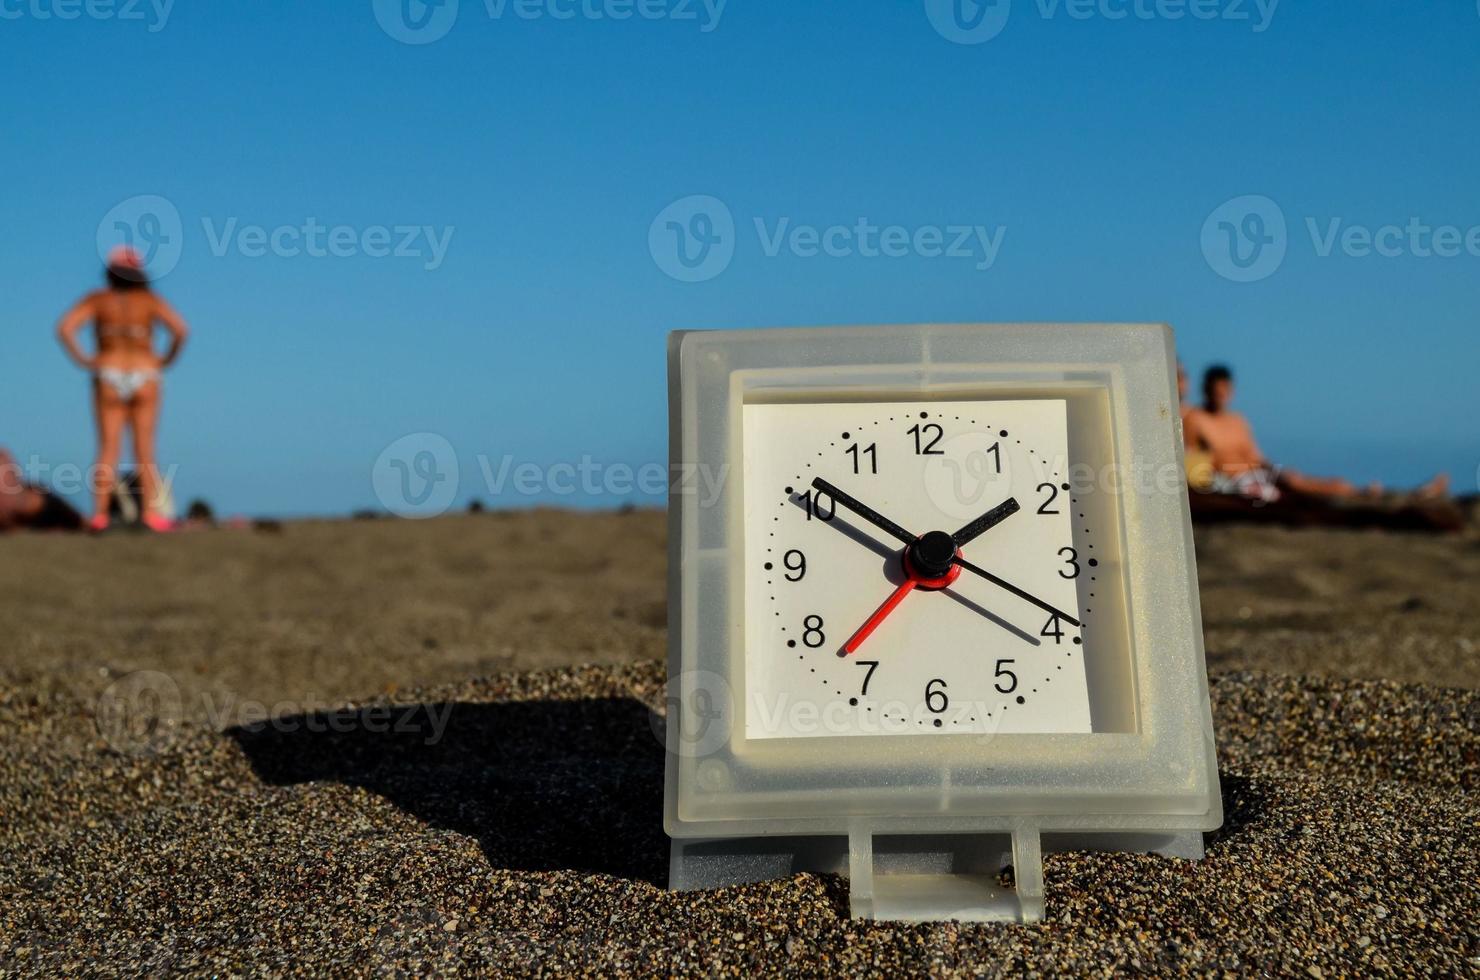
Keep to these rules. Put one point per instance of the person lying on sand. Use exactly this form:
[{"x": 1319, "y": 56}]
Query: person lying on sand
[
  {"x": 24, "y": 505},
  {"x": 1240, "y": 467},
  {"x": 126, "y": 374}
]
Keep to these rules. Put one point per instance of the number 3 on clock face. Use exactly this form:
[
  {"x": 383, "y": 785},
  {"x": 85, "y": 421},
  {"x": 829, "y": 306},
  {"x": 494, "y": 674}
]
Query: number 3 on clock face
[{"x": 915, "y": 568}]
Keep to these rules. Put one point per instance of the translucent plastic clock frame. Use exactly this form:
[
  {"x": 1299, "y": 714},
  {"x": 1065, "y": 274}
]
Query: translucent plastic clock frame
[{"x": 933, "y": 610}]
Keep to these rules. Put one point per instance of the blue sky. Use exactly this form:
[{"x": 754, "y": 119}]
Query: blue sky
[{"x": 1092, "y": 148}]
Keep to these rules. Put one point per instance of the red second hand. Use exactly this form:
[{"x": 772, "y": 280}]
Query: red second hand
[{"x": 878, "y": 617}]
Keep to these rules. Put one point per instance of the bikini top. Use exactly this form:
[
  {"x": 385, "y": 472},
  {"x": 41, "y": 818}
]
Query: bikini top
[{"x": 137, "y": 331}]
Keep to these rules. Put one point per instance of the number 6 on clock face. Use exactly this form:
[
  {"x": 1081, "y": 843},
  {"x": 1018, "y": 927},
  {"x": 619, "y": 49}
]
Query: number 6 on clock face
[{"x": 900, "y": 560}]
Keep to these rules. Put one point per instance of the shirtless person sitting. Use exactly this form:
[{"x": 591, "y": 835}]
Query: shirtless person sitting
[{"x": 1239, "y": 465}]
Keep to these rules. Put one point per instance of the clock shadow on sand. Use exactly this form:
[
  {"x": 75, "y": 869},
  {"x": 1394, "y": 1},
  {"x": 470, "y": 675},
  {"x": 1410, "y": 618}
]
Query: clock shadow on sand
[{"x": 541, "y": 785}]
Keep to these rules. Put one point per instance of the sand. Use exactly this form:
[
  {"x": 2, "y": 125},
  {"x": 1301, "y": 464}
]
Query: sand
[{"x": 527, "y": 837}]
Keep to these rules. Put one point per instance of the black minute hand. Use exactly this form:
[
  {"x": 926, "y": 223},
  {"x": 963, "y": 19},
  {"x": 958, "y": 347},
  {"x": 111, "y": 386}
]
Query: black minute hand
[
  {"x": 864, "y": 511},
  {"x": 986, "y": 522},
  {"x": 1016, "y": 591}
]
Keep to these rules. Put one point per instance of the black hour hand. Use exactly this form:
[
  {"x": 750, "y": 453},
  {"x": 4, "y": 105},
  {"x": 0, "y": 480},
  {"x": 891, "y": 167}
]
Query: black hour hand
[{"x": 986, "y": 522}]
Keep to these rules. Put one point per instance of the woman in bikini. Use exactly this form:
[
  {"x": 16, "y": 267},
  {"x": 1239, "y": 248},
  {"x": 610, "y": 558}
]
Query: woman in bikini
[{"x": 126, "y": 375}]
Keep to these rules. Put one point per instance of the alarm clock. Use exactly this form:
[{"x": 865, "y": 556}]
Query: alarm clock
[{"x": 932, "y": 611}]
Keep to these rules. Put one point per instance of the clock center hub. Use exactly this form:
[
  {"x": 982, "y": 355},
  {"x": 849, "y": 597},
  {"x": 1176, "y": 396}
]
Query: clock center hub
[{"x": 928, "y": 560}]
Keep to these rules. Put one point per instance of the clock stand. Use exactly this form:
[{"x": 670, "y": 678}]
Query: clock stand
[{"x": 913, "y": 878}]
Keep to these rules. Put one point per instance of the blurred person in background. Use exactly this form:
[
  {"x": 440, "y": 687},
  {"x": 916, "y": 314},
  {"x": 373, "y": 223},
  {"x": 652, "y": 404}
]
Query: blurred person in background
[
  {"x": 1240, "y": 466},
  {"x": 24, "y": 505},
  {"x": 126, "y": 374}
]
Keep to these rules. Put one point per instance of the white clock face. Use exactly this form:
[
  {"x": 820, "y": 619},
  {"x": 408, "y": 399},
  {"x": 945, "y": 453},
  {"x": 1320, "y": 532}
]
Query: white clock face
[{"x": 914, "y": 568}]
